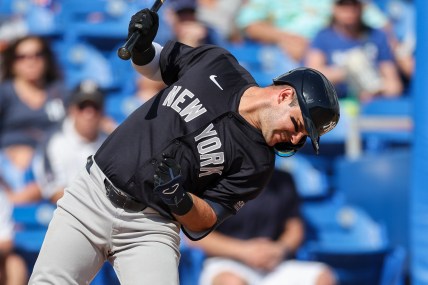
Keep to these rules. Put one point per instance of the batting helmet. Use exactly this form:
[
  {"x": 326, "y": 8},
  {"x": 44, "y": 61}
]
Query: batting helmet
[{"x": 318, "y": 103}]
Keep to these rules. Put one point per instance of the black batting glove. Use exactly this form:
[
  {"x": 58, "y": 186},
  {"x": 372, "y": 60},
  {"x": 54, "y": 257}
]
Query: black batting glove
[
  {"x": 145, "y": 22},
  {"x": 167, "y": 182}
]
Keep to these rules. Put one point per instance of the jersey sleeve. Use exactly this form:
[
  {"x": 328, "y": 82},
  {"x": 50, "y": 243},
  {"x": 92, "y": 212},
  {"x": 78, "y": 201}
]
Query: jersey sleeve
[
  {"x": 228, "y": 196},
  {"x": 177, "y": 58}
]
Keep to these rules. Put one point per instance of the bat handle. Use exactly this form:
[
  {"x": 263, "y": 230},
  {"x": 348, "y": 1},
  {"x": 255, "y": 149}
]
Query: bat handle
[{"x": 125, "y": 51}]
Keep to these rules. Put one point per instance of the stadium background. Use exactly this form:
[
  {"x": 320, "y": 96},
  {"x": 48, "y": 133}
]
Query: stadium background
[{"x": 374, "y": 188}]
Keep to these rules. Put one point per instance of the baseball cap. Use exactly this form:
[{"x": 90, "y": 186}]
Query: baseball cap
[
  {"x": 87, "y": 91},
  {"x": 317, "y": 100}
]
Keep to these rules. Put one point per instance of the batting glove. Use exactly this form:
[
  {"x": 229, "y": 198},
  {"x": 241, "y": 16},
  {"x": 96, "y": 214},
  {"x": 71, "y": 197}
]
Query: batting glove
[
  {"x": 146, "y": 22},
  {"x": 167, "y": 181}
]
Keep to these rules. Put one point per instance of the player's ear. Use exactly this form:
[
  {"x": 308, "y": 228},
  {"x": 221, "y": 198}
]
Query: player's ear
[{"x": 285, "y": 93}]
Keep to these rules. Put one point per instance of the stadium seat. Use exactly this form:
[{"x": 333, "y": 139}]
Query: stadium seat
[
  {"x": 380, "y": 184},
  {"x": 95, "y": 19},
  {"x": 383, "y": 266},
  {"x": 106, "y": 276},
  {"x": 31, "y": 222},
  {"x": 82, "y": 61},
  {"x": 356, "y": 246},
  {"x": 335, "y": 225},
  {"x": 191, "y": 263},
  {"x": 394, "y": 267},
  {"x": 31, "y": 225},
  {"x": 311, "y": 182}
]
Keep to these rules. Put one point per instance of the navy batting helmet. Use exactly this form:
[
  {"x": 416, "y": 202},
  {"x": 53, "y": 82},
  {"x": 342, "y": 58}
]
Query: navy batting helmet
[{"x": 318, "y": 103}]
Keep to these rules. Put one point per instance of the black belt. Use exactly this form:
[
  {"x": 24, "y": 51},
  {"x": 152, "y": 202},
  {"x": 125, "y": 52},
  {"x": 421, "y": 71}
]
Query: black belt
[{"x": 117, "y": 196}]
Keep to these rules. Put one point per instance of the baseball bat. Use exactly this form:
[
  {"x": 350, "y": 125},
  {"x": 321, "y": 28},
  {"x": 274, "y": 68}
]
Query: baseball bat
[{"x": 125, "y": 51}]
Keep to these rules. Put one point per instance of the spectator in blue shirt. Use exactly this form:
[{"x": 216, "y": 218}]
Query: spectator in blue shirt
[{"x": 355, "y": 57}]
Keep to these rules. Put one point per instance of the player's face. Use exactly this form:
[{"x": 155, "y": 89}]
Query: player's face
[{"x": 287, "y": 125}]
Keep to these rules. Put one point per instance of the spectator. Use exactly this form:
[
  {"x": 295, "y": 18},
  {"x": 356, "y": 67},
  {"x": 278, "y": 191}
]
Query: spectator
[
  {"x": 220, "y": 15},
  {"x": 291, "y": 24},
  {"x": 403, "y": 38},
  {"x": 355, "y": 57},
  {"x": 31, "y": 104},
  {"x": 287, "y": 24},
  {"x": 13, "y": 270},
  {"x": 68, "y": 147},
  {"x": 257, "y": 246},
  {"x": 187, "y": 28}
]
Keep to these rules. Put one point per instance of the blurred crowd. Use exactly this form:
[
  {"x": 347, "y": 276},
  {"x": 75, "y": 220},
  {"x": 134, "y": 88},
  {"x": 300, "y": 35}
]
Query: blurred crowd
[{"x": 62, "y": 90}]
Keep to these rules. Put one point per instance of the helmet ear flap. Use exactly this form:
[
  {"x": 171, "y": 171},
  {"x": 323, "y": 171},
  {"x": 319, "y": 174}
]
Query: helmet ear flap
[{"x": 286, "y": 149}]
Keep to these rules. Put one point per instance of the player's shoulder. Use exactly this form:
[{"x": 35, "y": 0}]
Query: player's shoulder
[{"x": 174, "y": 47}]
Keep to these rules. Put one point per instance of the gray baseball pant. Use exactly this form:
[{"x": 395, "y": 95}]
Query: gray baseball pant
[{"x": 88, "y": 229}]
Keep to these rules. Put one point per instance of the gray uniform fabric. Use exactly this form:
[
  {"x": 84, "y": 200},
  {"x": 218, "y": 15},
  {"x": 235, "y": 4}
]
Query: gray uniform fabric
[{"x": 106, "y": 232}]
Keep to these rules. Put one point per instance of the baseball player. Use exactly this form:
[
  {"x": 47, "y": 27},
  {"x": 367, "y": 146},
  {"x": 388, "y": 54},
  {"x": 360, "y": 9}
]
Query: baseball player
[{"x": 188, "y": 158}]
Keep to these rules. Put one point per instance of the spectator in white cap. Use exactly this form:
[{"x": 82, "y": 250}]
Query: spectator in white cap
[{"x": 79, "y": 136}]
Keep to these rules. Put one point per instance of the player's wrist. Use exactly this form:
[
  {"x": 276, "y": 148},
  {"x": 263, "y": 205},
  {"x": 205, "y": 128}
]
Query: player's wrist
[
  {"x": 143, "y": 56},
  {"x": 183, "y": 206}
]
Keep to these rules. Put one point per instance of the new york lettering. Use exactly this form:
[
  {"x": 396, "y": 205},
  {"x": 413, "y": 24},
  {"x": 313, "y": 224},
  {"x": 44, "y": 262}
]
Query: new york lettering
[{"x": 183, "y": 105}]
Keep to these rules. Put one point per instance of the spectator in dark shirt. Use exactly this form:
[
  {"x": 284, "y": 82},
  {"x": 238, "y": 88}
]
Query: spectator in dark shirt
[
  {"x": 31, "y": 104},
  {"x": 257, "y": 246}
]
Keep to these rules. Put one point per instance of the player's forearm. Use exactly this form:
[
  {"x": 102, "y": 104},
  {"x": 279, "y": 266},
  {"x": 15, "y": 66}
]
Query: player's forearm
[
  {"x": 151, "y": 69},
  {"x": 200, "y": 218}
]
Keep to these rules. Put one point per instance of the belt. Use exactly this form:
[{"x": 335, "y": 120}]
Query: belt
[{"x": 116, "y": 196}]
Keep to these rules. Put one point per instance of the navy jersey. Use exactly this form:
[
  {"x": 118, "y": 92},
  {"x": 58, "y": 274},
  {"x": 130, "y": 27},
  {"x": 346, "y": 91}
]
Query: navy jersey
[{"x": 223, "y": 158}]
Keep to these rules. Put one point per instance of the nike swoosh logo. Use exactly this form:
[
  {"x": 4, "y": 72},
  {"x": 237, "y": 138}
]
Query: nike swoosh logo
[
  {"x": 212, "y": 77},
  {"x": 171, "y": 191}
]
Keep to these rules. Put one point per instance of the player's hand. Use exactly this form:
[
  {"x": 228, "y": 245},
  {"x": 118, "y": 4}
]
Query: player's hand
[
  {"x": 146, "y": 22},
  {"x": 167, "y": 182}
]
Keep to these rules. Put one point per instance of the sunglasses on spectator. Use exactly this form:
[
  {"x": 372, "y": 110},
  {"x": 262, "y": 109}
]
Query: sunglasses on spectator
[{"x": 36, "y": 55}]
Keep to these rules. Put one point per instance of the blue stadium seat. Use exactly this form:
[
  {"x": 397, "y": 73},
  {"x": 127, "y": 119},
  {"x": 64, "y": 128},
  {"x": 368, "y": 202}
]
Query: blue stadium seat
[
  {"x": 394, "y": 267},
  {"x": 311, "y": 182},
  {"x": 371, "y": 267},
  {"x": 380, "y": 184},
  {"x": 106, "y": 276},
  {"x": 95, "y": 19},
  {"x": 335, "y": 225},
  {"x": 355, "y": 245},
  {"x": 31, "y": 224},
  {"x": 191, "y": 263},
  {"x": 82, "y": 61}
]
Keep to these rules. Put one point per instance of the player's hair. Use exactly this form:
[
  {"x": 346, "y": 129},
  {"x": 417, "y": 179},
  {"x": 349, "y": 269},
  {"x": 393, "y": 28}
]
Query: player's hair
[
  {"x": 52, "y": 72},
  {"x": 294, "y": 102}
]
